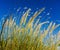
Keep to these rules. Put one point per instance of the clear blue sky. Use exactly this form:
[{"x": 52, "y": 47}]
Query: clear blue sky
[{"x": 33, "y": 4}]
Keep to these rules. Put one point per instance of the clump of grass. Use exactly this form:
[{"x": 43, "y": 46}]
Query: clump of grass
[{"x": 26, "y": 35}]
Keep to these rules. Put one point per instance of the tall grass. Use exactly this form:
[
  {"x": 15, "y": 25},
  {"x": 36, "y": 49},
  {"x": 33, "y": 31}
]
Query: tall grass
[{"x": 28, "y": 36}]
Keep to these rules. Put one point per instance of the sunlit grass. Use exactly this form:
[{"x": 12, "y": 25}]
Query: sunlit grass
[{"x": 28, "y": 36}]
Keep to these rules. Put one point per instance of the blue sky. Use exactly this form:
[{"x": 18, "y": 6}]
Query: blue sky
[{"x": 52, "y": 6}]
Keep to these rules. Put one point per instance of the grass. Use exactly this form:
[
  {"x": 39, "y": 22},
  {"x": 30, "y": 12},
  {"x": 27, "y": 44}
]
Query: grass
[{"x": 28, "y": 36}]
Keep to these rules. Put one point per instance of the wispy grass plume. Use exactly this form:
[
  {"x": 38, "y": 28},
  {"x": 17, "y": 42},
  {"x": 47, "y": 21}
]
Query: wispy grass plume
[{"x": 28, "y": 36}]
